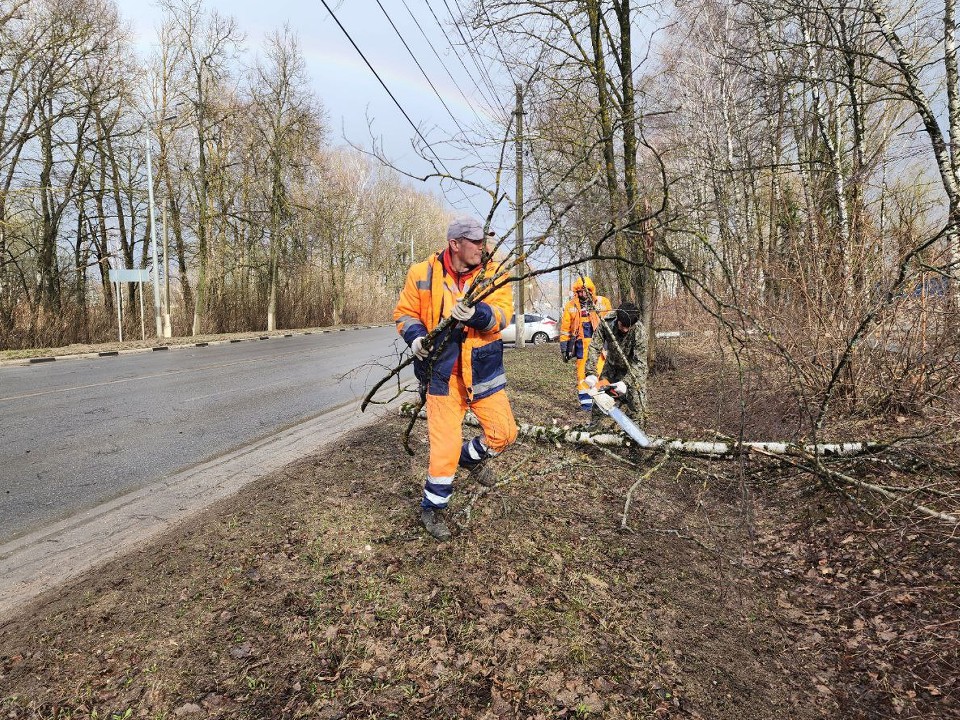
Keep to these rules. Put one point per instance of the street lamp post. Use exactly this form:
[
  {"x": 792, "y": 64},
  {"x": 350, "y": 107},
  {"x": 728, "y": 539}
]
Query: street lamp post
[
  {"x": 167, "y": 329},
  {"x": 153, "y": 240}
]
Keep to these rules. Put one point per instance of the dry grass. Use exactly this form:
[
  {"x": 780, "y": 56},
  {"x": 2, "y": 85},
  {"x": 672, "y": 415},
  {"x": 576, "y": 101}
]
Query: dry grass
[{"x": 316, "y": 594}]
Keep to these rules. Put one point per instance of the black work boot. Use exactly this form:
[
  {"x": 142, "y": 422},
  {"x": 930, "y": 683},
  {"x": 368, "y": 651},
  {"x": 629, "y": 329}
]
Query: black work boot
[
  {"x": 434, "y": 523},
  {"x": 483, "y": 474}
]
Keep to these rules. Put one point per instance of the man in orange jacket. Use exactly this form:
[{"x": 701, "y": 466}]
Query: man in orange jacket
[
  {"x": 462, "y": 367},
  {"x": 581, "y": 318}
]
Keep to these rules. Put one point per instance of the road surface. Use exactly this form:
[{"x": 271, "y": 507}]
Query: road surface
[{"x": 78, "y": 433}]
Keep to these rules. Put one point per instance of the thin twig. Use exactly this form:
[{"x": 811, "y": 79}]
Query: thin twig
[
  {"x": 645, "y": 476},
  {"x": 467, "y": 509}
]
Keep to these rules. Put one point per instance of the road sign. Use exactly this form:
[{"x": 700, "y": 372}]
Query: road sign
[
  {"x": 123, "y": 275},
  {"x": 134, "y": 275}
]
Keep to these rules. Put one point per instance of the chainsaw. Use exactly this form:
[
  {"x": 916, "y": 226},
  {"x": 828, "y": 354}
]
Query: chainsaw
[{"x": 605, "y": 396}]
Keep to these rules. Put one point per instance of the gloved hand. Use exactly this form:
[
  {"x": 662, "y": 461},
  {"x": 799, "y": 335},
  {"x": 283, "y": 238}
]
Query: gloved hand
[
  {"x": 462, "y": 311},
  {"x": 590, "y": 381},
  {"x": 420, "y": 348},
  {"x": 604, "y": 402},
  {"x": 564, "y": 352},
  {"x": 619, "y": 389}
]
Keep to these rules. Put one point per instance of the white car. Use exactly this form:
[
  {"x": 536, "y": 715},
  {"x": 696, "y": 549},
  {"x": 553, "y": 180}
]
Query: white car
[{"x": 537, "y": 329}]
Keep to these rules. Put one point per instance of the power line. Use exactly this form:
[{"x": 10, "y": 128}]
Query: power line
[
  {"x": 422, "y": 71},
  {"x": 443, "y": 64},
  {"x": 466, "y": 70},
  {"x": 473, "y": 52},
  {"x": 396, "y": 102}
]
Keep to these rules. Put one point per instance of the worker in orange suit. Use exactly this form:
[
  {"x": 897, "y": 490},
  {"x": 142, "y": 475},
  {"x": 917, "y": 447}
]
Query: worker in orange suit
[
  {"x": 462, "y": 367},
  {"x": 581, "y": 318}
]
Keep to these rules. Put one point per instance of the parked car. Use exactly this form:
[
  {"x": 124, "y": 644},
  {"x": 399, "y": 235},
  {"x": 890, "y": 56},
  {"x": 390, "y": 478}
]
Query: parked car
[{"x": 537, "y": 329}]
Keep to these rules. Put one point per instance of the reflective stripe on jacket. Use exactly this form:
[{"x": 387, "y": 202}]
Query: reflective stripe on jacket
[
  {"x": 578, "y": 323},
  {"x": 428, "y": 296}
]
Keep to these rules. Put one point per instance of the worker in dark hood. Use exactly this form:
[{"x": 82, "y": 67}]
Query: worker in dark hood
[{"x": 619, "y": 338}]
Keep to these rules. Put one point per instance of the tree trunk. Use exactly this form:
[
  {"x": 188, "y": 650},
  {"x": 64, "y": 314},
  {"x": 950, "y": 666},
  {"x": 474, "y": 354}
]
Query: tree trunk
[{"x": 599, "y": 71}]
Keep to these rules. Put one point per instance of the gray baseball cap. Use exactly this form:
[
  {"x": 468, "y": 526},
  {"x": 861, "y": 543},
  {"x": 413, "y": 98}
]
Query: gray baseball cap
[{"x": 465, "y": 227}]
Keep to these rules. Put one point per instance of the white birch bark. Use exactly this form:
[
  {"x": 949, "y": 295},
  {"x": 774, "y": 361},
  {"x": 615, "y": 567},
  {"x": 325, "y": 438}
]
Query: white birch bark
[
  {"x": 953, "y": 115},
  {"x": 914, "y": 91},
  {"x": 703, "y": 448},
  {"x": 834, "y": 147}
]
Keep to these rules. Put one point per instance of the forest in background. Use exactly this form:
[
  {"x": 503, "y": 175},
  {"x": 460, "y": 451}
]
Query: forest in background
[
  {"x": 787, "y": 172},
  {"x": 791, "y": 169},
  {"x": 267, "y": 223}
]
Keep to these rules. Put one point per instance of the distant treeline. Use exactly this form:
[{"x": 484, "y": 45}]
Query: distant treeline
[{"x": 266, "y": 224}]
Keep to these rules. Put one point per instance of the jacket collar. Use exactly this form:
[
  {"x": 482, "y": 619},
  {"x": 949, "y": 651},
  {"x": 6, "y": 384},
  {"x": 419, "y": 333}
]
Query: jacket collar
[{"x": 460, "y": 278}]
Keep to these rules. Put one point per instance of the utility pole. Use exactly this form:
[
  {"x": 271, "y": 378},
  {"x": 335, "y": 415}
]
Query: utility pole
[
  {"x": 519, "y": 298},
  {"x": 560, "y": 299},
  {"x": 200, "y": 304}
]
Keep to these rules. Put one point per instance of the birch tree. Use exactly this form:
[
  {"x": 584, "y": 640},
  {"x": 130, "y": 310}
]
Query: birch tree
[
  {"x": 286, "y": 121},
  {"x": 208, "y": 40}
]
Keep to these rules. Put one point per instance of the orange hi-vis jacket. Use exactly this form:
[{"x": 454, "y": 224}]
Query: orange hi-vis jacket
[
  {"x": 578, "y": 324},
  {"x": 474, "y": 349}
]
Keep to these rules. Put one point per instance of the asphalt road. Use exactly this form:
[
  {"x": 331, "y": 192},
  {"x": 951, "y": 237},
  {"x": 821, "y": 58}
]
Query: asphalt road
[{"x": 76, "y": 433}]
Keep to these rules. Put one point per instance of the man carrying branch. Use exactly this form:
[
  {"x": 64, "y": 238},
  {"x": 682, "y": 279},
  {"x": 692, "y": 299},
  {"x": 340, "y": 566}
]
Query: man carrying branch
[{"x": 462, "y": 367}]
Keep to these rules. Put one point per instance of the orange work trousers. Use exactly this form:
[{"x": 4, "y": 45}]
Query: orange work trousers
[
  {"x": 447, "y": 448},
  {"x": 586, "y": 402}
]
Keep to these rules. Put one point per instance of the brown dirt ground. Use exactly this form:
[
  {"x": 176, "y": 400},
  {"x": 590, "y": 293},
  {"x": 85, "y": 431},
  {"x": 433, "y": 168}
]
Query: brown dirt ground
[{"x": 743, "y": 590}]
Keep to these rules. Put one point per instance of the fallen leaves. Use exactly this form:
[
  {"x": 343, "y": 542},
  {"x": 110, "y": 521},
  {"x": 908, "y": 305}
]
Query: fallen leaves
[
  {"x": 596, "y": 583},
  {"x": 243, "y": 650},
  {"x": 542, "y": 610}
]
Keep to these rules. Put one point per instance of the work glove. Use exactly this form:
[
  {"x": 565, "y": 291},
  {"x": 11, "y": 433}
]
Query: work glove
[
  {"x": 619, "y": 389},
  {"x": 564, "y": 352},
  {"x": 420, "y": 348},
  {"x": 590, "y": 381},
  {"x": 604, "y": 402},
  {"x": 462, "y": 311}
]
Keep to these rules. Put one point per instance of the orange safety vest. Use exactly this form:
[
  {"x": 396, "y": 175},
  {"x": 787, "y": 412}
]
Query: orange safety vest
[
  {"x": 578, "y": 323},
  {"x": 474, "y": 350}
]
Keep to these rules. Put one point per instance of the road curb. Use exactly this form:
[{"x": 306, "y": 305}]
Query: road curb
[
  {"x": 180, "y": 346},
  {"x": 45, "y": 559}
]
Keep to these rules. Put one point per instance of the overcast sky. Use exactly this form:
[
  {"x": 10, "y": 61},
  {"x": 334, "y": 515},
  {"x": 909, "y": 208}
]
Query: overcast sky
[
  {"x": 351, "y": 93},
  {"x": 348, "y": 89}
]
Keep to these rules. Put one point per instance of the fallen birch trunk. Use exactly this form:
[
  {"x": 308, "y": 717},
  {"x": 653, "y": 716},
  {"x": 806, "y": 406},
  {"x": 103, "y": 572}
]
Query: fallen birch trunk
[
  {"x": 899, "y": 495},
  {"x": 806, "y": 457},
  {"x": 701, "y": 448}
]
